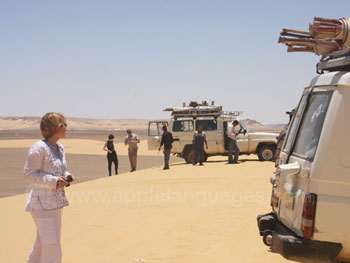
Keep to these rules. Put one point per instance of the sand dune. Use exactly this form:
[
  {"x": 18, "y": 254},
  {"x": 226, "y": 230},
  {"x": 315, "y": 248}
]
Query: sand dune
[{"x": 183, "y": 215}]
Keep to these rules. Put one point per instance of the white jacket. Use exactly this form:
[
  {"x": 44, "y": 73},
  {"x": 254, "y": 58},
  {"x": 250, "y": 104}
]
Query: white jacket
[{"x": 44, "y": 165}]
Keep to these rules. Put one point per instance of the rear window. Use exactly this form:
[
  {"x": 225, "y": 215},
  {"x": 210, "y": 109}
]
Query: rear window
[
  {"x": 311, "y": 125},
  {"x": 183, "y": 126}
]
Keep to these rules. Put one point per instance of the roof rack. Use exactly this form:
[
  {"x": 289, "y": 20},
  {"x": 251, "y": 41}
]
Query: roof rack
[
  {"x": 231, "y": 113},
  {"x": 195, "y": 109},
  {"x": 336, "y": 61}
]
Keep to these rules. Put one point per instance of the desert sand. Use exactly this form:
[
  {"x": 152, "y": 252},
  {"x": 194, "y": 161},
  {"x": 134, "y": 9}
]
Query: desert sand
[
  {"x": 90, "y": 165},
  {"x": 182, "y": 215},
  {"x": 80, "y": 146}
]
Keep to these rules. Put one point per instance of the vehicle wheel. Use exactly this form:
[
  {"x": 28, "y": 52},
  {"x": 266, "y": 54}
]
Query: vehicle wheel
[
  {"x": 189, "y": 155},
  {"x": 266, "y": 153},
  {"x": 267, "y": 238}
]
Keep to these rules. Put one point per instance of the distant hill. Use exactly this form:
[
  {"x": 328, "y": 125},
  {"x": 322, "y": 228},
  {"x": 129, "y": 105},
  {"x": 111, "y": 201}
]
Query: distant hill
[
  {"x": 32, "y": 123},
  {"x": 257, "y": 126}
]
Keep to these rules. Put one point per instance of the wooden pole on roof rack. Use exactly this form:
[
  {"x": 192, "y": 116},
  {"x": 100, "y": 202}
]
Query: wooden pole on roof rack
[
  {"x": 325, "y": 36},
  {"x": 287, "y": 30}
]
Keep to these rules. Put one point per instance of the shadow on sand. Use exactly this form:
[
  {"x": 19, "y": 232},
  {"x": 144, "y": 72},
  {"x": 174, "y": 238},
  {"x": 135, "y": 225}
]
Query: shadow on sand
[{"x": 218, "y": 161}]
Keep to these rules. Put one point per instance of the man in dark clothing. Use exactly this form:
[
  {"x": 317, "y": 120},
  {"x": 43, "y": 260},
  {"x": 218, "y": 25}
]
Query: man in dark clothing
[
  {"x": 199, "y": 138},
  {"x": 167, "y": 141},
  {"x": 111, "y": 154}
]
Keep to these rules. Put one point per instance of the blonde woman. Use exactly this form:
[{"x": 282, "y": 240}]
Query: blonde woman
[{"x": 46, "y": 170}]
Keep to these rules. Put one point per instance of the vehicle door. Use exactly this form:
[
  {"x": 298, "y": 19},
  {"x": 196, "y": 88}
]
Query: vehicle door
[
  {"x": 155, "y": 134},
  {"x": 182, "y": 129},
  {"x": 226, "y": 141},
  {"x": 242, "y": 137},
  {"x": 210, "y": 127}
]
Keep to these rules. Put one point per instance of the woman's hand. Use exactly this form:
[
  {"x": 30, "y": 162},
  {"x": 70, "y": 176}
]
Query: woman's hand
[{"x": 61, "y": 182}]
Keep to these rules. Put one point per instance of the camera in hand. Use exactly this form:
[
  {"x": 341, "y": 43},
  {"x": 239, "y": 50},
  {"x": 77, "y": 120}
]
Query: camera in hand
[{"x": 69, "y": 178}]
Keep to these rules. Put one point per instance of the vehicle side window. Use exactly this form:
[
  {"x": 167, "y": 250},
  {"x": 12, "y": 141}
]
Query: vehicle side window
[
  {"x": 156, "y": 128},
  {"x": 208, "y": 125},
  {"x": 184, "y": 126},
  {"x": 311, "y": 125},
  {"x": 295, "y": 124}
]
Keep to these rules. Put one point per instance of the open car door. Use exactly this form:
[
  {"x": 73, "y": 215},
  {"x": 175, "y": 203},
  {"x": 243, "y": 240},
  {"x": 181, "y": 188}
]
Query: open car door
[{"x": 155, "y": 134}]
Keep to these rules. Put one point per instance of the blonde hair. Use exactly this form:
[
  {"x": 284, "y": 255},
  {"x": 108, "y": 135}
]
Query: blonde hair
[{"x": 50, "y": 123}]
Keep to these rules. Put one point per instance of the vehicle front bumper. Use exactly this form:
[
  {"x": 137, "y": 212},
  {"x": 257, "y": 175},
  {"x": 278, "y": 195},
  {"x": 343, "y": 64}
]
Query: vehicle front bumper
[{"x": 292, "y": 247}]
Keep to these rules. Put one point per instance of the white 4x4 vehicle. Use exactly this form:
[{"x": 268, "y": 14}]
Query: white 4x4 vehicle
[
  {"x": 185, "y": 121},
  {"x": 310, "y": 200}
]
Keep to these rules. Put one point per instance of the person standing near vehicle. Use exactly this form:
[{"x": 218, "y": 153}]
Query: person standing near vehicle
[
  {"x": 132, "y": 140},
  {"x": 45, "y": 170},
  {"x": 232, "y": 142},
  {"x": 167, "y": 141},
  {"x": 111, "y": 154},
  {"x": 199, "y": 138},
  {"x": 282, "y": 135}
]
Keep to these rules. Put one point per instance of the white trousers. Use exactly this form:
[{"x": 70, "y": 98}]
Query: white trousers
[{"x": 47, "y": 246}]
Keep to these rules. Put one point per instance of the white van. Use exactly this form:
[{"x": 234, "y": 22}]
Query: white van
[{"x": 310, "y": 218}]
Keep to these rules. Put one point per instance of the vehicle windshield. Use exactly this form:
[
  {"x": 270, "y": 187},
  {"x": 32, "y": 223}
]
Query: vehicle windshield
[{"x": 242, "y": 124}]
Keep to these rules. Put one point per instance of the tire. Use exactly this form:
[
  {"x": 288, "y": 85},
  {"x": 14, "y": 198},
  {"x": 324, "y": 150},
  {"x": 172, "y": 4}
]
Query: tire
[
  {"x": 267, "y": 238},
  {"x": 189, "y": 155},
  {"x": 266, "y": 152}
]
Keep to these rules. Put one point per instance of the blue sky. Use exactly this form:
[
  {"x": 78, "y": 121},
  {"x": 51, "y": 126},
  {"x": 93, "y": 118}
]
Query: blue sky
[{"x": 132, "y": 58}]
